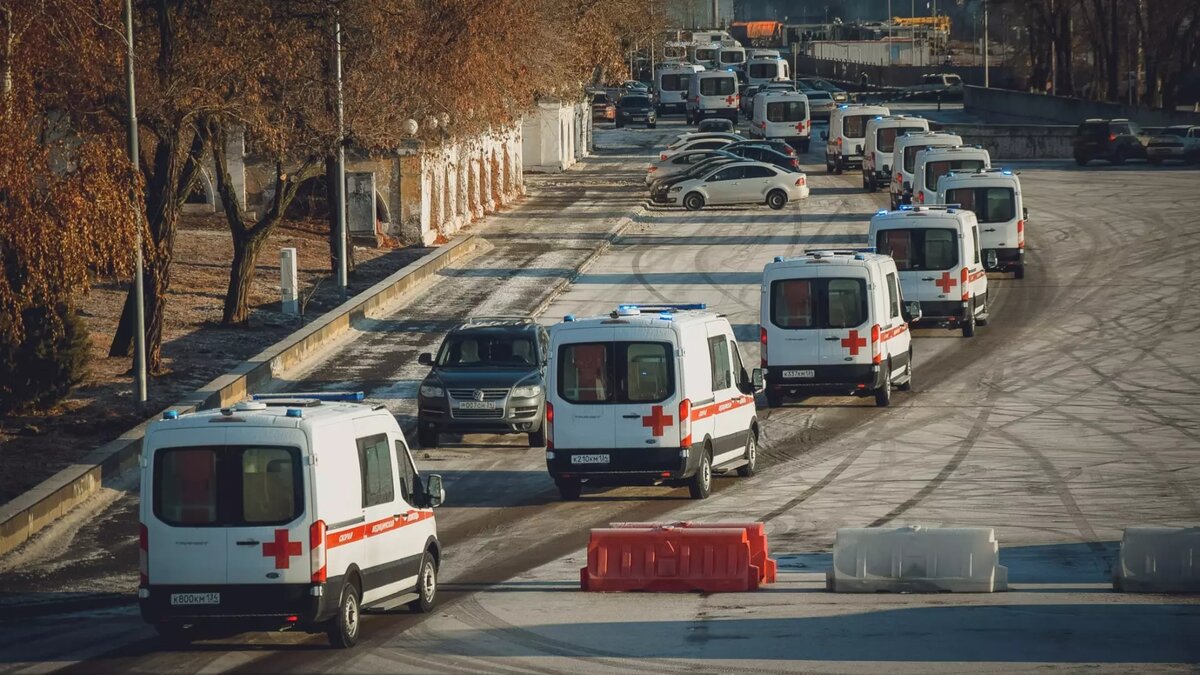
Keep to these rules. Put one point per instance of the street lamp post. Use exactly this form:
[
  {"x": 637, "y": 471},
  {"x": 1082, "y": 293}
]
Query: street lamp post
[
  {"x": 139, "y": 290},
  {"x": 986, "y": 80},
  {"x": 341, "y": 161}
]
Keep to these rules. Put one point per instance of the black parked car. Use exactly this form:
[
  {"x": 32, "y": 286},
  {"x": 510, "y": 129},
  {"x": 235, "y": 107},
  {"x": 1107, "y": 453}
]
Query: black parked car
[
  {"x": 1113, "y": 140},
  {"x": 636, "y": 109},
  {"x": 776, "y": 144},
  {"x": 488, "y": 376},
  {"x": 768, "y": 155}
]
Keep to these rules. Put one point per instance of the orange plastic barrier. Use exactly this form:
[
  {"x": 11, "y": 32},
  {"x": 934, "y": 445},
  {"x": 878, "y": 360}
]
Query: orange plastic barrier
[
  {"x": 755, "y": 532},
  {"x": 669, "y": 559}
]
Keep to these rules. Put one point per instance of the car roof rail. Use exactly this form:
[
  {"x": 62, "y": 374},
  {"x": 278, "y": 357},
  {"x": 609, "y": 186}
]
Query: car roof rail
[{"x": 497, "y": 319}]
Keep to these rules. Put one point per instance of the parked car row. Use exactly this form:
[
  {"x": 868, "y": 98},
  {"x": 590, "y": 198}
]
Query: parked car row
[
  {"x": 710, "y": 169},
  {"x": 1119, "y": 140}
]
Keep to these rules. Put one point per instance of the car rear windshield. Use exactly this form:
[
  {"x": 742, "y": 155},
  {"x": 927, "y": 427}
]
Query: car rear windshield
[
  {"x": 786, "y": 111},
  {"x": 910, "y": 156},
  {"x": 827, "y": 302},
  {"x": 616, "y": 372},
  {"x": 718, "y": 86},
  {"x": 763, "y": 70},
  {"x": 483, "y": 350},
  {"x": 885, "y": 139},
  {"x": 855, "y": 126},
  {"x": 635, "y": 102},
  {"x": 600, "y": 98},
  {"x": 705, "y": 54},
  {"x": 1093, "y": 129},
  {"x": 919, "y": 248},
  {"x": 214, "y": 486},
  {"x": 990, "y": 204},
  {"x": 674, "y": 82},
  {"x": 732, "y": 57},
  {"x": 935, "y": 170}
]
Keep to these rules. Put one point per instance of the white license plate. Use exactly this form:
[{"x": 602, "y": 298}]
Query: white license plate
[
  {"x": 796, "y": 374},
  {"x": 589, "y": 459},
  {"x": 477, "y": 405},
  {"x": 195, "y": 598}
]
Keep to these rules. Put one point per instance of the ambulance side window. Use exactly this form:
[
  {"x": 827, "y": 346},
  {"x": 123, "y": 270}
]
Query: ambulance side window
[
  {"x": 893, "y": 295},
  {"x": 375, "y": 465},
  {"x": 743, "y": 378},
  {"x": 975, "y": 242},
  {"x": 408, "y": 473},
  {"x": 718, "y": 358}
]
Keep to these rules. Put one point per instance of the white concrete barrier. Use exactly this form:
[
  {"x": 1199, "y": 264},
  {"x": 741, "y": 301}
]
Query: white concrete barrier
[
  {"x": 916, "y": 560},
  {"x": 1159, "y": 560}
]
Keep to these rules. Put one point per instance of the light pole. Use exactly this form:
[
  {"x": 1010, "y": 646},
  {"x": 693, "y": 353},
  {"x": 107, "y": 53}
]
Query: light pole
[
  {"x": 986, "y": 79},
  {"x": 341, "y": 159},
  {"x": 139, "y": 290}
]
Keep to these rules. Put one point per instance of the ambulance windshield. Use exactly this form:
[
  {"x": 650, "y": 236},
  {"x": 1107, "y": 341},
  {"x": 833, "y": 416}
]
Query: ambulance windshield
[
  {"x": 616, "y": 372},
  {"x": 990, "y": 204},
  {"x": 487, "y": 350},
  {"x": 227, "y": 485},
  {"x": 919, "y": 248},
  {"x": 819, "y": 303}
]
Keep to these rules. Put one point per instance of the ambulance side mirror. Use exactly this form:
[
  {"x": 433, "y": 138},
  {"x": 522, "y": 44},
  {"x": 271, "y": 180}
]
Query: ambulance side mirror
[
  {"x": 912, "y": 312},
  {"x": 1024, "y": 214},
  {"x": 425, "y": 359},
  {"x": 435, "y": 493},
  {"x": 757, "y": 380}
]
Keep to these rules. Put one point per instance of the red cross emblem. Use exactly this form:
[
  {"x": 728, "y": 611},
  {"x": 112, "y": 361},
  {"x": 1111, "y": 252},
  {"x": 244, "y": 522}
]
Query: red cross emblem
[
  {"x": 729, "y": 100},
  {"x": 946, "y": 282},
  {"x": 656, "y": 421},
  {"x": 799, "y": 126},
  {"x": 853, "y": 342},
  {"x": 281, "y": 549}
]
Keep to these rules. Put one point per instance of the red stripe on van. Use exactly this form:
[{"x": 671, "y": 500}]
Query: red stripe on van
[
  {"x": 712, "y": 409},
  {"x": 352, "y": 534}
]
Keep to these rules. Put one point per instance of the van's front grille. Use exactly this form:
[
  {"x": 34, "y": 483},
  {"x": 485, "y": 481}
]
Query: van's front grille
[
  {"x": 485, "y": 414},
  {"x": 469, "y": 394}
]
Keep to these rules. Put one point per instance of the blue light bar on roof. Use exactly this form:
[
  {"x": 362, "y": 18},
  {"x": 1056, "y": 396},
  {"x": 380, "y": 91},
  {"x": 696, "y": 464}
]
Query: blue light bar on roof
[
  {"x": 328, "y": 396},
  {"x": 881, "y": 212}
]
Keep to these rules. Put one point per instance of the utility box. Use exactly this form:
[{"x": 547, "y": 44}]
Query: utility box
[{"x": 289, "y": 284}]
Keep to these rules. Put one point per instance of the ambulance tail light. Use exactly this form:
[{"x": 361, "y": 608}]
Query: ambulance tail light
[
  {"x": 1020, "y": 234},
  {"x": 685, "y": 423},
  {"x": 876, "y": 353},
  {"x": 663, "y": 157},
  {"x": 762, "y": 341},
  {"x": 921, "y": 197},
  {"x": 962, "y": 278},
  {"x": 549, "y": 425},
  {"x": 143, "y": 555},
  {"x": 316, "y": 552}
]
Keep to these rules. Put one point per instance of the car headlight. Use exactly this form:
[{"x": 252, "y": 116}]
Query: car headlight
[
  {"x": 526, "y": 391},
  {"x": 431, "y": 391},
  {"x": 677, "y": 188}
]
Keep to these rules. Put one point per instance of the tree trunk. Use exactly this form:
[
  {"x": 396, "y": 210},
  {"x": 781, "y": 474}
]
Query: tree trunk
[{"x": 246, "y": 249}]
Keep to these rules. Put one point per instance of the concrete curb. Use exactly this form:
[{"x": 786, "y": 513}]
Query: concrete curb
[
  {"x": 614, "y": 234},
  {"x": 24, "y": 516}
]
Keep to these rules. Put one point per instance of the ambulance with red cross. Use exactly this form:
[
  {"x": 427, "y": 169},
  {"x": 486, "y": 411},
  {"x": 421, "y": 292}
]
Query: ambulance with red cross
[
  {"x": 835, "y": 322},
  {"x": 648, "y": 395},
  {"x": 299, "y": 511},
  {"x": 937, "y": 251}
]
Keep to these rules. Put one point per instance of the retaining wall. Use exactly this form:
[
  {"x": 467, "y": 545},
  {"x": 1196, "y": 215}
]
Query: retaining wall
[
  {"x": 1016, "y": 141},
  {"x": 1002, "y": 105}
]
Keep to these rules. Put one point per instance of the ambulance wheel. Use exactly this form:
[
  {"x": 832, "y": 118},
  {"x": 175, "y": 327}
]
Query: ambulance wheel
[
  {"x": 751, "y": 455},
  {"x": 426, "y": 586},
  {"x": 968, "y": 325},
  {"x": 804, "y": 146},
  {"x": 828, "y": 165},
  {"x": 174, "y": 634},
  {"x": 883, "y": 395},
  {"x": 908, "y": 382},
  {"x": 343, "y": 627},
  {"x": 569, "y": 489},
  {"x": 537, "y": 439},
  {"x": 427, "y": 436},
  {"x": 700, "y": 485},
  {"x": 777, "y": 199},
  {"x": 694, "y": 201},
  {"x": 837, "y": 165},
  {"x": 1019, "y": 272}
]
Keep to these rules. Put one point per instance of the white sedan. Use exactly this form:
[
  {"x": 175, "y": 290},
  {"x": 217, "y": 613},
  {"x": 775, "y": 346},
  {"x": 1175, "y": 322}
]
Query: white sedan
[
  {"x": 684, "y": 138},
  {"x": 703, "y": 143},
  {"x": 746, "y": 182},
  {"x": 681, "y": 162}
]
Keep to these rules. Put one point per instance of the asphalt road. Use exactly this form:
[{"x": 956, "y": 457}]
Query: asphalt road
[{"x": 1072, "y": 415}]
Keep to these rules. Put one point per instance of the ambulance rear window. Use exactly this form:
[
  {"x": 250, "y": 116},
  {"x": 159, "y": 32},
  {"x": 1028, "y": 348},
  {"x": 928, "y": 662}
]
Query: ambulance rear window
[
  {"x": 624, "y": 372},
  {"x": 855, "y": 126},
  {"x": 227, "y": 485},
  {"x": 910, "y": 156},
  {"x": 885, "y": 139},
  {"x": 919, "y": 248},
  {"x": 819, "y": 303},
  {"x": 785, "y": 111},
  {"x": 991, "y": 204},
  {"x": 935, "y": 170}
]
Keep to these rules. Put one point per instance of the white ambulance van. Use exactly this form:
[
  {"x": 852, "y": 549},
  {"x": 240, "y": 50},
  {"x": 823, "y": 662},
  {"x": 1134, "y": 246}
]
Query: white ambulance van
[
  {"x": 904, "y": 157},
  {"x": 882, "y": 133},
  {"x": 712, "y": 93},
  {"x": 936, "y": 249},
  {"x": 994, "y": 195},
  {"x": 847, "y": 134},
  {"x": 730, "y": 55},
  {"x": 784, "y": 115},
  {"x": 704, "y": 54},
  {"x": 671, "y": 80},
  {"x": 649, "y": 395},
  {"x": 760, "y": 71},
  {"x": 294, "y": 511},
  {"x": 835, "y": 322},
  {"x": 933, "y": 163}
]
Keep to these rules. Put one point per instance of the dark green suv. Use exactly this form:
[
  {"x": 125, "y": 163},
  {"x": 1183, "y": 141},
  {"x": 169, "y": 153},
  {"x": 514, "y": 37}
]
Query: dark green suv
[{"x": 1113, "y": 140}]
